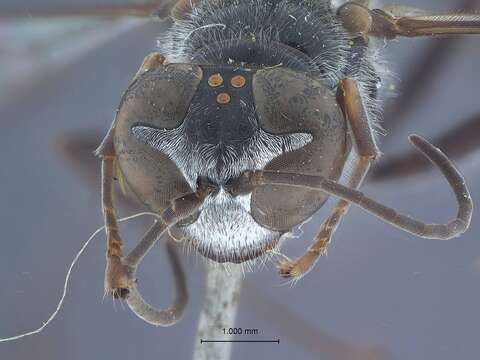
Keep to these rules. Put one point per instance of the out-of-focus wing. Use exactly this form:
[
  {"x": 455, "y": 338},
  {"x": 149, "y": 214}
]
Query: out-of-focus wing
[
  {"x": 418, "y": 83},
  {"x": 159, "y": 8},
  {"x": 37, "y": 41},
  {"x": 459, "y": 142},
  {"x": 403, "y": 10},
  {"x": 33, "y": 49}
]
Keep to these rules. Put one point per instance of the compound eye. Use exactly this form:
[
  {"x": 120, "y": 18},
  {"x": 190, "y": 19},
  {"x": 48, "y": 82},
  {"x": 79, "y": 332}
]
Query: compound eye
[
  {"x": 290, "y": 101},
  {"x": 156, "y": 102}
]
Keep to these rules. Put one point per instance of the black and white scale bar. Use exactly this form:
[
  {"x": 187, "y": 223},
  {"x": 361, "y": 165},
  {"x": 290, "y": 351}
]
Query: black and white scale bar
[{"x": 239, "y": 341}]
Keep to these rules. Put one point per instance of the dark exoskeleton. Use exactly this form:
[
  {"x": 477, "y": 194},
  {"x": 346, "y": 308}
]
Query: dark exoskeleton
[{"x": 242, "y": 129}]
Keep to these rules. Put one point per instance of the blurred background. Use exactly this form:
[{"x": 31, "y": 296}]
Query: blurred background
[{"x": 379, "y": 294}]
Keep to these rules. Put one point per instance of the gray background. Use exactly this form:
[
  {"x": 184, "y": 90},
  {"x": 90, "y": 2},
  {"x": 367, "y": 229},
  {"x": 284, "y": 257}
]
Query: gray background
[{"x": 379, "y": 294}]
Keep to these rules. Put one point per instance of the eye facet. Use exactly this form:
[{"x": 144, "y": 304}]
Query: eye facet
[
  {"x": 292, "y": 102},
  {"x": 159, "y": 98}
]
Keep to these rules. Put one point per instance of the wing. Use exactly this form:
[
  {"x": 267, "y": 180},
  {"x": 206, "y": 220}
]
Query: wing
[
  {"x": 159, "y": 8},
  {"x": 403, "y": 10},
  {"x": 37, "y": 42}
]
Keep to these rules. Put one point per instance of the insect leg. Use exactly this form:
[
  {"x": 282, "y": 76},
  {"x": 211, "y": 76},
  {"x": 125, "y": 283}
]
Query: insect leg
[
  {"x": 251, "y": 179},
  {"x": 135, "y": 300},
  {"x": 117, "y": 280},
  {"x": 171, "y": 315},
  {"x": 357, "y": 18},
  {"x": 428, "y": 66},
  {"x": 121, "y": 272},
  {"x": 389, "y": 26},
  {"x": 299, "y": 267},
  {"x": 432, "y": 61},
  {"x": 354, "y": 112},
  {"x": 180, "y": 208}
]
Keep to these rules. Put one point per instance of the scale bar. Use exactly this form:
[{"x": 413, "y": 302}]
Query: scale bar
[{"x": 239, "y": 341}]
